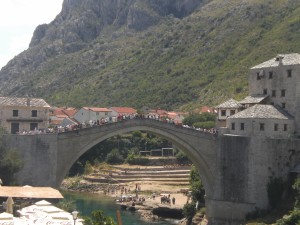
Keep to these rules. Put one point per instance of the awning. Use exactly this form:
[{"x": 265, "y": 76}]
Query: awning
[{"x": 30, "y": 192}]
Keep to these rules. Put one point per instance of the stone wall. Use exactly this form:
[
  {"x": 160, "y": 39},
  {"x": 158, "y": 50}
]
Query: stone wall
[{"x": 39, "y": 155}]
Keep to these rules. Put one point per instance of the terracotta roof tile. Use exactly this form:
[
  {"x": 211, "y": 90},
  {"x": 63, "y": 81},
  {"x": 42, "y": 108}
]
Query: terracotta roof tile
[{"x": 125, "y": 110}]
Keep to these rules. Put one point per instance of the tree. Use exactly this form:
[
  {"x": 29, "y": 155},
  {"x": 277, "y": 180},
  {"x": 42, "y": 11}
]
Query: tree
[
  {"x": 10, "y": 161},
  {"x": 296, "y": 188},
  {"x": 198, "y": 119},
  {"x": 114, "y": 157},
  {"x": 98, "y": 218},
  {"x": 197, "y": 188},
  {"x": 189, "y": 211}
]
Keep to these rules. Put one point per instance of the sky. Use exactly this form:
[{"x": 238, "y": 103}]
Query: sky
[{"x": 18, "y": 20}]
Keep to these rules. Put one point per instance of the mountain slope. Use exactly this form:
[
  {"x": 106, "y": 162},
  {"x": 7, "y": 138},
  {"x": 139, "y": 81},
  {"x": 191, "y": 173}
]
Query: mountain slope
[{"x": 163, "y": 53}]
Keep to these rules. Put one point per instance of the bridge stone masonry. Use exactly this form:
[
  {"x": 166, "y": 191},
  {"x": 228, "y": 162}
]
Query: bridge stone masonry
[{"x": 234, "y": 169}]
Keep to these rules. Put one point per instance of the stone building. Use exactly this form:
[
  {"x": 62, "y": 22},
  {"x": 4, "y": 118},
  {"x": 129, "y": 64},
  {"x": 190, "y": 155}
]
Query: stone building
[
  {"x": 92, "y": 114},
  {"x": 279, "y": 78},
  {"x": 226, "y": 109},
  {"x": 272, "y": 107},
  {"x": 261, "y": 120},
  {"x": 23, "y": 114}
]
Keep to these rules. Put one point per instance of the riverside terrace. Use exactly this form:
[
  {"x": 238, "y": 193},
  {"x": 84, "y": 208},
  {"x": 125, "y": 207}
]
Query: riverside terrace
[{"x": 234, "y": 169}]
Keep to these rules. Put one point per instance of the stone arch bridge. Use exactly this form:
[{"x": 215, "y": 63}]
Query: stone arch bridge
[{"x": 227, "y": 164}]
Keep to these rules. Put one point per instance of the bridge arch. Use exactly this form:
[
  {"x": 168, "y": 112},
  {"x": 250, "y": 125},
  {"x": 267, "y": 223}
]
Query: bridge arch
[{"x": 200, "y": 147}]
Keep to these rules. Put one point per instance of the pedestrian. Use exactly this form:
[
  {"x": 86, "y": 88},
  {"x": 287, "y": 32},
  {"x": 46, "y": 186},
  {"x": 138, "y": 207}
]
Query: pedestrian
[{"x": 173, "y": 200}]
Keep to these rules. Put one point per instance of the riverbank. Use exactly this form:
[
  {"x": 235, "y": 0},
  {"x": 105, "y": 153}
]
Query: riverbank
[{"x": 146, "y": 186}]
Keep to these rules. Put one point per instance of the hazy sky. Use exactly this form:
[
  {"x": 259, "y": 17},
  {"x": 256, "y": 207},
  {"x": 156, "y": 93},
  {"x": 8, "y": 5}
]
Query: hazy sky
[{"x": 18, "y": 19}]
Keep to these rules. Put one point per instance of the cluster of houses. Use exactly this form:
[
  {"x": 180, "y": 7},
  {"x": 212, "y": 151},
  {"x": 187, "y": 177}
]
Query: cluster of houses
[{"x": 35, "y": 115}]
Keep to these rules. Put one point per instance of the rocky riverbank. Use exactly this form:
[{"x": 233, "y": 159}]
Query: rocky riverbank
[{"x": 150, "y": 209}]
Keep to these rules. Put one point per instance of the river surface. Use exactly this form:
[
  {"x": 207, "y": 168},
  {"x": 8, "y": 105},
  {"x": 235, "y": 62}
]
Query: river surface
[{"x": 87, "y": 202}]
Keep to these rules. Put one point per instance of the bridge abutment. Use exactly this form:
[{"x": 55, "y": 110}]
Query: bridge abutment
[{"x": 225, "y": 212}]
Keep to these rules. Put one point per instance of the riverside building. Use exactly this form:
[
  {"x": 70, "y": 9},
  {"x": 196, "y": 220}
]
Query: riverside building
[{"x": 272, "y": 108}]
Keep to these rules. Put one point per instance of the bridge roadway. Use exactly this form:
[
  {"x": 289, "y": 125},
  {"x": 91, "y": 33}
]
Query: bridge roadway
[{"x": 234, "y": 169}]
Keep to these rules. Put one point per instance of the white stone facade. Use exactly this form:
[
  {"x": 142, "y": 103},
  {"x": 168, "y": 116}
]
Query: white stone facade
[
  {"x": 86, "y": 114},
  {"x": 279, "y": 78},
  {"x": 23, "y": 114},
  {"x": 275, "y": 86}
]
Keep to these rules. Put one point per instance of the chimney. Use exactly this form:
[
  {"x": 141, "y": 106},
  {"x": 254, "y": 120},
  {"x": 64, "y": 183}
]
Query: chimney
[
  {"x": 279, "y": 59},
  {"x": 28, "y": 101}
]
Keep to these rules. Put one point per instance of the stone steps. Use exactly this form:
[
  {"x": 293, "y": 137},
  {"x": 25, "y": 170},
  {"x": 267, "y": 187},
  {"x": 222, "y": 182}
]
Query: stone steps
[{"x": 163, "y": 175}]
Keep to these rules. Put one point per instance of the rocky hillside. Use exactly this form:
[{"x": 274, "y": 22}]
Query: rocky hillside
[{"x": 156, "y": 53}]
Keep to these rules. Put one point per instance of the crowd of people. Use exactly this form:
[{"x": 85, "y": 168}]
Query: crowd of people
[{"x": 107, "y": 120}]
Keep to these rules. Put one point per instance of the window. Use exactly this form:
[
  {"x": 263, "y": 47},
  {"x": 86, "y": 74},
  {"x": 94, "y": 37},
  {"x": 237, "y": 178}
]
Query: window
[
  {"x": 270, "y": 74},
  {"x": 232, "y": 112},
  {"x": 223, "y": 112},
  {"x": 14, "y": 128},
  {"x": 97, "y": 113},
  {"x": 265, "y": 91},
  {"x": 257, "y": 76},
  {"x": 232, "y": 126},
  {"x": 106, "y": 113},
  {"x": 33, "y": 126},
  {"x": 242, "y": 126},
  {"x": 261, "y": 126},
  {"x": 33, "y": 113},
  {"x": 283, "y": 105},
  {"x": 289, "y": 73},
  {"x": 15, "y": 113},
  {"x": 285, "y": 127},
  {"x": 275, "y": 127},
  {"x": 283, "y": 93},
  {"x": 273, "y": 93}
]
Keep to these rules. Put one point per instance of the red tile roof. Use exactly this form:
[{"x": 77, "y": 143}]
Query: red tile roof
[
  {"x": 124, "y": 110},
  {"x": 62, "y": 112},
  {"x": 95, "y": 109}
]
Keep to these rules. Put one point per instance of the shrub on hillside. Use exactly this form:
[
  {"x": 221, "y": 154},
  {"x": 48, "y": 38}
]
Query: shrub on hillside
[
  {"x": 189, "y": 210},
  {"x": 114, "y": 157},
  {"x": 136, "y": 160},
  {"x": 182, "y": 158}
]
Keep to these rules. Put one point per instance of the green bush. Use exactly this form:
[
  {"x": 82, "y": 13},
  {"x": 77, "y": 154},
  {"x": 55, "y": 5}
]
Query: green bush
[
  {"x": 197, "y": 188},
  {"x": 136, "y": 160},
  {"x": 292, "y": 219},
  {"x": 114, "y": 157},
  {"x": 189, "y": 211},
  {"x": 10, "y": 161},
  {"x": 98, "y": 218},
  {"x": 88, "y": 168},
  {"x": 67, "y": 205},
  {"x": 205, "y": 125},
  {"x": 296, "y": 188},
  {"x": 181, "y": 157},
  {"x": 203, "y": 120}
]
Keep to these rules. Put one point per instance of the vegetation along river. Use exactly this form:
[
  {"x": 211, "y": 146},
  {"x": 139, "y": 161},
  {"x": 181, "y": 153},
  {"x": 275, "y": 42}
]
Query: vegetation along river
[{"x": 86, "y": 203}]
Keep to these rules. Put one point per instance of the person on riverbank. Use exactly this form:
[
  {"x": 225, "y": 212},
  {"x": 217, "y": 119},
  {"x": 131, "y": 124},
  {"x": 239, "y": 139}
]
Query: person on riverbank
[{"x": 173, "y": 200}]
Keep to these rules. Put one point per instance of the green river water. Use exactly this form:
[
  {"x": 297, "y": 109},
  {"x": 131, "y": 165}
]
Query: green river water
[{"x": 86, "y": 203}]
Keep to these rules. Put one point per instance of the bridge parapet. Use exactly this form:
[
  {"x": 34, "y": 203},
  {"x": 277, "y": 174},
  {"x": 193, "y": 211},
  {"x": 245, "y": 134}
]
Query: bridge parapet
[{"x": 143, "y": 122}]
